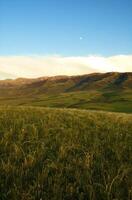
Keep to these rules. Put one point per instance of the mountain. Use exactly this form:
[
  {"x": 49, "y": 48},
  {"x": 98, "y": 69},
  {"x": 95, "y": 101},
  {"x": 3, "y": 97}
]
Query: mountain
[{"x": 103, "y": 91}]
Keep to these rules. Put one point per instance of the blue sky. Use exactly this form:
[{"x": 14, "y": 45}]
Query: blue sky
[{"x": 65, "y": 27}]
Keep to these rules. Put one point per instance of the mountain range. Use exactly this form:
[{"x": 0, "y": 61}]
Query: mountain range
[{"x": 99, "y": 91}]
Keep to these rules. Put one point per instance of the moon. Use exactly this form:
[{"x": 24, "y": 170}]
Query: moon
[{"x": 81, "y": 38}]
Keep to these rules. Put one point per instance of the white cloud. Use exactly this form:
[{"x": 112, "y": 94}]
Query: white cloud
[
  {"x": 37, "y": 66},
  {"x": 122, "y": 62}
]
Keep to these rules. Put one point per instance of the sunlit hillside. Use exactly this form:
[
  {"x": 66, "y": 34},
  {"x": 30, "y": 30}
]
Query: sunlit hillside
[{"x": 108, "y": 91}]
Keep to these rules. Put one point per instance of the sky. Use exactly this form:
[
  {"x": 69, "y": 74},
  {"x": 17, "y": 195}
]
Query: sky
[{"x": 52, "y": 37}]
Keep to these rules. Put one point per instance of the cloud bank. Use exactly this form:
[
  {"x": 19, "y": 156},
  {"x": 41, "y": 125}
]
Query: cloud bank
[{"x": 37, "y": 66}]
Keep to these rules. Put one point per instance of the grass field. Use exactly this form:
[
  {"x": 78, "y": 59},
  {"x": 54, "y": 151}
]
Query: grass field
[{"x": 70, "y": 154}]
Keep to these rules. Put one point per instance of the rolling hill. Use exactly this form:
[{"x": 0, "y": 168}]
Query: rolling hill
[
  {"x": 57, "y": 153},
  {"x": 100, "y": 91}
]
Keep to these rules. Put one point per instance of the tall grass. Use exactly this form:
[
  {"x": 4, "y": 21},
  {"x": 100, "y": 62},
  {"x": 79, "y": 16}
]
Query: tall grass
[{"x": 64, "y": 154}]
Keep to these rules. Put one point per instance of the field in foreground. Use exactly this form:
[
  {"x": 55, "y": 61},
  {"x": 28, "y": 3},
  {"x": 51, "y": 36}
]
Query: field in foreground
[{"x": 64, "y": 154}]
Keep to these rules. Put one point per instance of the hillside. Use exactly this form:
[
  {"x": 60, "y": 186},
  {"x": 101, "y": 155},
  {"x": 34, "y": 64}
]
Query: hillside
[
  {"x": 108, "y": 91},
  {"x": 64, "y": 154}
]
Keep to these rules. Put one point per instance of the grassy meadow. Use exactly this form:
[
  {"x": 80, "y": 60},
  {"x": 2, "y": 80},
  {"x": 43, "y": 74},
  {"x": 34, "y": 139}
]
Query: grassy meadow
[
  {"x": 64, "y": 154},
  {"x": 114, "y": 101}
]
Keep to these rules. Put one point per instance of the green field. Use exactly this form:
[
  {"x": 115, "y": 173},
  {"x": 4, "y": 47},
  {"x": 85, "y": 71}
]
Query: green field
[
  {"x": 115, "y": 101},
  {"x": 64, "y": 154}
]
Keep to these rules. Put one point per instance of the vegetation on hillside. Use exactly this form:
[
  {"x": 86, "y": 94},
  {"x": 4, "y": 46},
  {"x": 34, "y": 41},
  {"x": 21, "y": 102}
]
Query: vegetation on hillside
[
  {"x": 109, "y": 91},
  {"x": 64, "y": 154}
]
